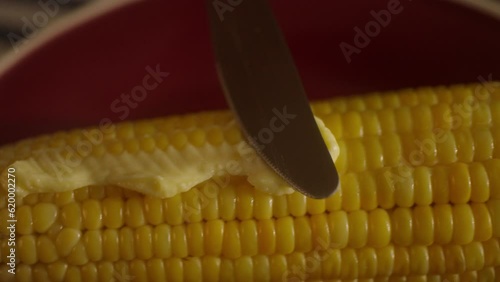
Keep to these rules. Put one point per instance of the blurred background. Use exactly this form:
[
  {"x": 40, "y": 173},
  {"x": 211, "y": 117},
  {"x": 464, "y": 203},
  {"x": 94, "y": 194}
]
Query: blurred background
[
  {"x": 18, "y": 14},
  {"x": 75, "y": 79}
]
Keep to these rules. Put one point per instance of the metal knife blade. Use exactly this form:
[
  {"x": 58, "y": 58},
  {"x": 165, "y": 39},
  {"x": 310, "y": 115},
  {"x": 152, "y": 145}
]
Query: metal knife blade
[{"x": 264, "y": 90}]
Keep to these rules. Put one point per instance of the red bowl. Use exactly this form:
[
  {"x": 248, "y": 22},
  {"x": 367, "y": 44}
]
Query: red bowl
[{"x": 83, "y": 74}]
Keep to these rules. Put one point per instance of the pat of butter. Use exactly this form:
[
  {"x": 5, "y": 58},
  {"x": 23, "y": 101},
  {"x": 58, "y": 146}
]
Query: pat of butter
[{"x": 159, "y": 173}]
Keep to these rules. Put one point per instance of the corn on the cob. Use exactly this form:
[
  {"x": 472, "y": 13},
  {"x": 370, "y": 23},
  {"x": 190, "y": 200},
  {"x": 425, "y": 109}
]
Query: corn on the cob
[{"x": 419, "y": 199}]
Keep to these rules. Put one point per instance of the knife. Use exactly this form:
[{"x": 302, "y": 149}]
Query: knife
[{"x": 264, "y": 90}]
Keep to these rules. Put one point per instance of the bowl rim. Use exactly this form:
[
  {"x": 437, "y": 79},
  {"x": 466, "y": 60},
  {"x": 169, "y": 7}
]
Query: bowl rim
[{"x": 57, "y": 29}]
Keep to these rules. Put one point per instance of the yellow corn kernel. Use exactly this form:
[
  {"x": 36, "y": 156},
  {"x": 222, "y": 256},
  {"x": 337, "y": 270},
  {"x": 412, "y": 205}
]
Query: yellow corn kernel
[
  {"x": 285, "y": 234},
  {"x": 349, "y": 264},
  {"x": 134, "y": 214},
  {"x": 138, "y": 270},
  {"x": 297, "y": 204},
  {"x": 153, "y": 210},
  {"x": 367, "y": 262},
  {"x": 356, "y": 161},
  {"x": 338, "y": 225},
  {"x": 215, "y": 136},
  {"x": 487, "y": 274},
  {"x": 112, "y": 212},
  {"x": 249, "y": 237},
  {"x": 483, "y": 141},
  {"x": 443, "y": 224},
  {"x": 350, "y": 193},
  {"x": 46, "y": 250},
  {"x": 280, "y": 206},
  {"x": 480, "y": 183},
  {"x": 40, "y": 273},
  {"x": 401, "y": 261},
  {"x": 404, "y": 193},
  {"x": 352, "y": 124},
  {"x": 440, "y": 184},
  {"x": 25, "y": 224},
  {"x": 213, "y": 235},
  {"x": 244, "y": 202},
  {"x": 78, "y": 256},
  {"x": 111, "y": 247},
  {"x": 277, "y": 266},
  {"x": 143, "y": 242},
  {"x": 419, "y": 259},
  {"x": 358, "y": 229},
  {"x": 26, "y": 249},
  {"x": 231, "y": 247},
  {"x": 44, "y": 215},
  {"x": 174, "y": 269},
  {"x": 332, "y": 203},
  {"x": 63, "y": 198},
  {"x": 492, "y": 168},
  {"x": 423, "y": 186},
  {"x": 227, "y": 204},
  {"x": 465, "y": 145},
  {"x": 66, "y": 240},
  {"x": 402, "y": 226},
  {"x": 263, "y": 205},
  {"x": 454, "y": 259},
  {"x": 463, "y": 224},
  {"x": 172, "y": 211},
  {"x": 368, "y": 191},
  {"x": 482, "y": 222},
  {"x": 460, "y": 184},
  {"x": 474, "y": 256},
  {"x": 211, "y": 267},
  {"x": 494, "y": 208},
  {"x": 267, "y": 236},
  {"x": 57, "y": 271},
  {"x": 126, "y": 241},
  {"x": 179, "y": 244},
  {"x": 93, "y": 245},
  {"x": 379, "y": 228},
  {"x": 243, "y": 268},
  {"x": 385, "y": 260},
  {"x": 423, "y": 225},
  {"x": 161, "y": 241},
  {"x": 419, "y": 199},
  {"x": 179, "y": 140},
  {"x": 91, "y": 214},
  {"x": 385, "y": 188}
]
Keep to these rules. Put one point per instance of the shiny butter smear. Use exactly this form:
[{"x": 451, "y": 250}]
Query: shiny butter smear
[{"x": 161, "y": 173}]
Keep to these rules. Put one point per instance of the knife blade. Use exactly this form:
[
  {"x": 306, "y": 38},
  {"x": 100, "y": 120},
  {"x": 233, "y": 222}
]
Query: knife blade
[{"x": 264, "y": 90}]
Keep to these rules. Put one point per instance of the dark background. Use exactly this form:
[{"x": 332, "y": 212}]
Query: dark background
[
  {"x": 72, "y": 80},
  {"x": 12, "y": 12}
]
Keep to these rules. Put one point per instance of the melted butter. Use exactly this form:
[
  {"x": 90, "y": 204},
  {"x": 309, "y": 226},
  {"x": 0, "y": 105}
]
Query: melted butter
[{"x": 160, "y": 173}]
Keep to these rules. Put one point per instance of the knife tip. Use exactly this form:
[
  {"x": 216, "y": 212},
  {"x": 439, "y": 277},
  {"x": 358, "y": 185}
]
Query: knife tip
[{"x": 322, "y": 188}]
